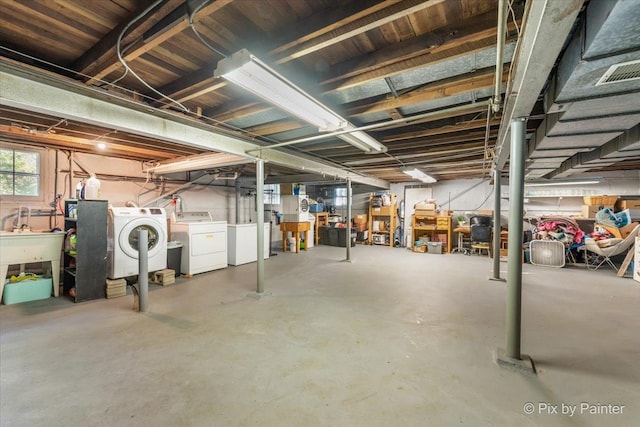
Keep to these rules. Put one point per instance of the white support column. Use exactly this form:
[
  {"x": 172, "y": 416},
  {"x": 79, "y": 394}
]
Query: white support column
[{"x": 260, "y": 221}]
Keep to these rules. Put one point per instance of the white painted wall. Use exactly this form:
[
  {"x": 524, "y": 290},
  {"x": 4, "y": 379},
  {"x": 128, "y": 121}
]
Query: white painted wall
[{"x": 461, "y": 196}]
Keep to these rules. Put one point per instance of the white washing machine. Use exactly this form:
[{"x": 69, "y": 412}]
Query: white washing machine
[
  {"x": 122, "y": 240},
  {"x": 204, "y": 241}
]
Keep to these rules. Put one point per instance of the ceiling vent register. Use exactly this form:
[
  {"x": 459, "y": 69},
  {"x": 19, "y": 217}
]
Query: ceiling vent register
[{"x": 622, "y": 72}]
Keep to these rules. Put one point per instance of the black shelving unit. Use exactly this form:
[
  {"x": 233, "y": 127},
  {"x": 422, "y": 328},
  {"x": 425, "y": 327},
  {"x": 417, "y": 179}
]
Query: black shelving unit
[{"x": 86, "y": 270}]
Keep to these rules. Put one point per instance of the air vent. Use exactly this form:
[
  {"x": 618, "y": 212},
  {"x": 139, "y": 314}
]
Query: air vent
[{"x": 622, "y": 72}]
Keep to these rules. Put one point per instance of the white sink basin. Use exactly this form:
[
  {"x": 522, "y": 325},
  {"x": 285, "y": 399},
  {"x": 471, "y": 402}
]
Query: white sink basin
[{"x": 30, "y": 246}]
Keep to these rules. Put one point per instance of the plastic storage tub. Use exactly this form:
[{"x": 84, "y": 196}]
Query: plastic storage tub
[
  {"x": 316, "y": 208},
  {"x": 434, "y": 247},
  {"x": 27, "y": 290}
]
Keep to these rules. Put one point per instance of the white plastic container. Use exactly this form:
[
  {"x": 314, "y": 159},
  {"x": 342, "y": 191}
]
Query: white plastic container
[
  {"x": 92, "y": 188},
  {"x": 291, "y": 242}
]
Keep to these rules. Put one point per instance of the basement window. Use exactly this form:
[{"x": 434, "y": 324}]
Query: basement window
[
  {"x": 19, "y": 172},
  {"x": 340, "y": 197},
  {"x": 271, "y": 194}
]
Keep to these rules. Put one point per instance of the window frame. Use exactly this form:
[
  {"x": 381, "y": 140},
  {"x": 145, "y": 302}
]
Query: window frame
[
  {"x": 273, "y": 197},
  {"x": 42, "y": 170},
  {"x": 340, "y": 200}
]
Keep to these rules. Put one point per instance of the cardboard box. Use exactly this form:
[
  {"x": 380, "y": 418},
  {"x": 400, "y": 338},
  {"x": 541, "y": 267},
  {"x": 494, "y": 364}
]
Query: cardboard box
[
  {"x": 590, "y": 211},
  {"x": 361, "y": 227},
  {"x": 425, "y": 206},
  {"x": 382, "y": 211},
  {"x": 360, "y": 219},
  {"x": 442, "y": 238},
  {"x": 421, "y": 249},
  {"x": 602, "y": 200},
  {"x": 292, "y": 189},
  {"x": 627, "y": 204}
]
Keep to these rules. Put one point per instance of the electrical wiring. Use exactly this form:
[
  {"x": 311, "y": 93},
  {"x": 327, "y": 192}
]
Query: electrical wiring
[
  {"x": 126, "y": 66},
  {"x": 513, "y": 17},
  {"x": 197, "y": 33}
]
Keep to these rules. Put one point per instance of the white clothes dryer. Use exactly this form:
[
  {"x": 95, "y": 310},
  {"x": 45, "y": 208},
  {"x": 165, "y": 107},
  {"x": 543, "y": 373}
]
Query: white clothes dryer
[
  {"x": 204, "y": 241},
  {"x": 122, "y": 240}
]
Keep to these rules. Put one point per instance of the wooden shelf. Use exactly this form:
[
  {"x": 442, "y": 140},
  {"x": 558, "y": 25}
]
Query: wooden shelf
[
  {"x": 388, "y": 212},
  {"x": 431, "y": 225},
  {"x": 322, "y": 218}
]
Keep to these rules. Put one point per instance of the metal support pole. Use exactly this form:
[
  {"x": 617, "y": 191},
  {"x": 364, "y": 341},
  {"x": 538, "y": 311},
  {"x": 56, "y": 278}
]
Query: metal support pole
[
  {"x": 238, "y": 198},
  {"x": 260, "y": 221},
  {"x": 143, "y": 269},
  {"x": 496, "y": 224},
  {"x": 348, "y": 221},
  {"x": 514, "y": 270}
]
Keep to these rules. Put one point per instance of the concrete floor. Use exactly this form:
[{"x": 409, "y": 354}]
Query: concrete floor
[{"x": 393, "y": 339}]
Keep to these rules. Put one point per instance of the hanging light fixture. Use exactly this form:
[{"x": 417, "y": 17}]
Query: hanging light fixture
[
  {"x": 245, "y": 70},
  {"x": 419, "y": 175}
]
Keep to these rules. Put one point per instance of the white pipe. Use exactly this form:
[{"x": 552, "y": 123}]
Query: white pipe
[{"x": 501, "y": 40}]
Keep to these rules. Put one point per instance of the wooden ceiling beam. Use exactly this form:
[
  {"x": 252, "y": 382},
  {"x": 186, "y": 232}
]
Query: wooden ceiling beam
[
  {"x": 451, "y": 41},
  {"x": 428, "y": 152},
  {"x": 481, "y": 79},
  {"x": 101, "y": 54},
  {"x": 275, "y": 127},
  {"x": 151, "y": 32},
  {"x": 444, "y": 115},
  {"x": 473, "y": 124},
  {"x": 414, "y": 63},
  {"x": 324, "y": 22},
  {"x": 430, "y": 48},
  {"x": 354, "y": 28},
  {"x": 81, "y": 144}
]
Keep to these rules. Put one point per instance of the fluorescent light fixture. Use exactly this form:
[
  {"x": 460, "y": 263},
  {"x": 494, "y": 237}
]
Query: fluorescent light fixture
[
  {"x": 554, "y": 183},
  {"x": 245, "y": 70},
  {"x": 419, "y": 175},
  {"x": 196, "y": 162},
  {"x": 363, "y": 141}
]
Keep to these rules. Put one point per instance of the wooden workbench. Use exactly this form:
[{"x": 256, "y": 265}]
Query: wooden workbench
[{"x": 296, "y": 228}]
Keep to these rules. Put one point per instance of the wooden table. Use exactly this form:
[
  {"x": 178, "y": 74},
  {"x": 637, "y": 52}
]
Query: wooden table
[
  {"x": 322, "y": 218},
  {"x": 296, "y": 228}
]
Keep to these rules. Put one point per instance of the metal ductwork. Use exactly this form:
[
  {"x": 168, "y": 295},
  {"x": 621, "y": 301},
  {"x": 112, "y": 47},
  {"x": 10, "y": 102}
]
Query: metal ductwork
[{"x": 590, "y": 125}]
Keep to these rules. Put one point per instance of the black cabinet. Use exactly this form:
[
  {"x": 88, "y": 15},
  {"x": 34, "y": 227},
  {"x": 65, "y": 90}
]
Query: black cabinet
[{"x": 85, "y": 255}]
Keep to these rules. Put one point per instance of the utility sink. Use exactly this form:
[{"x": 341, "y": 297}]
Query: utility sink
[{"x": 22, "y": 247}]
